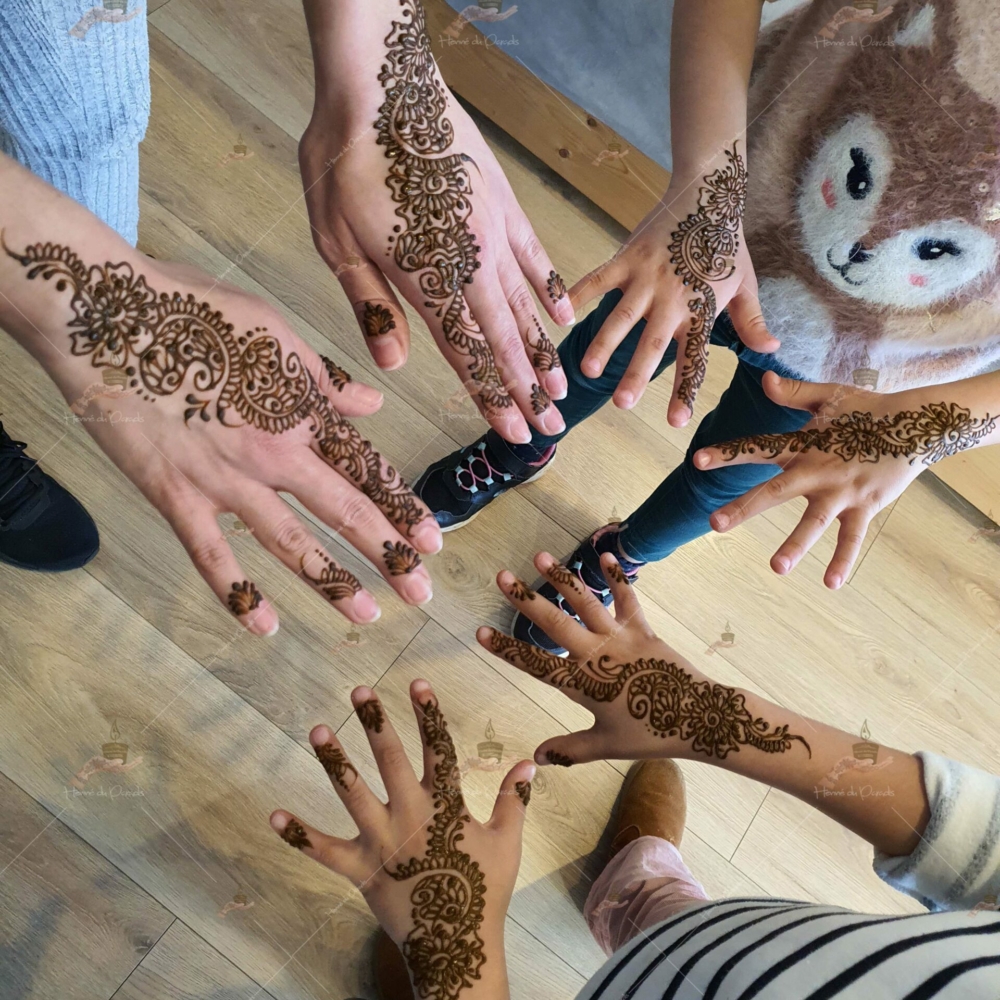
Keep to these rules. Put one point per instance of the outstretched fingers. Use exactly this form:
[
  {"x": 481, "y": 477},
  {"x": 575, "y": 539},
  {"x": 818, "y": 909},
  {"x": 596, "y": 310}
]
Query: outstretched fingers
[
  {"x": 387, "y": 748},
  {"x": 441, "y": 773},
  {"x": 359, "y": 800},
  {"x": 544, "y": 666},
  {"x": 341, "y": 856},
  {"x": 581, "y": 599}
]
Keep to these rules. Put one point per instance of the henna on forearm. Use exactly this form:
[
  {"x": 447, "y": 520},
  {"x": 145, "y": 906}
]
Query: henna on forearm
[
  {"x": 711, "y": 717},
  {"x": 704, "y": 248},
  {"x": 336, "y": 765},
  {"x": 244, "y": 598},
  {"x": 432, "y": 189},
  {"x": 444, "y": 951},
  {"x": 929, "y": 434},
  {"x": 377, "y": 320},
  {"x": 168, "y": 341},
  {"x": 370, "y": 715}
]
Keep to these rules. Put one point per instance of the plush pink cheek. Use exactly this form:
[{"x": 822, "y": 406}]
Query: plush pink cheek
[
  {"x": 828, "y": 194},
  {"x": 918, "y": 280}
]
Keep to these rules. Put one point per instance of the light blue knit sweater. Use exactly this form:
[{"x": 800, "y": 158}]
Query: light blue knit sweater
[{"x": 74, "y": 106}]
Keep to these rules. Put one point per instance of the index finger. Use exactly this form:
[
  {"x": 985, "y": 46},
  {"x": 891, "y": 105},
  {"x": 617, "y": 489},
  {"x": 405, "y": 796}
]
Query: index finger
[
  {"x": 543, "y": 666},
  {"x": 756, "y": 449},
  {"x": 692, "y": 361}
]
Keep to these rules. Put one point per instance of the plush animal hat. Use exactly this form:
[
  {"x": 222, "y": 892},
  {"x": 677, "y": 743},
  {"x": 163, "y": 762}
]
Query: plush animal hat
[{"x": 874, "y": 205}]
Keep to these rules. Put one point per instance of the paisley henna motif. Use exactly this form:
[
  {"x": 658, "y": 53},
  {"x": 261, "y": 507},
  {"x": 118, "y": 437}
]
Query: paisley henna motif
[
  {"x": 338, "y": 377},
  {"x": 931, "y": 433},
  {"x": 370, "y": 715},
  {"x": 444, "y": 951},
  {"x": 244, "y": 598},
  {"x": 334, "y": 582},
  {"x": 169, "y": 341},
  {"x": 712, "y": 717},
  {"x": 520, "y": 591},
  {"x": 432, "y": 189},
  {"x": 703, "y": 248},
  {"x": 336, "y": 765},
  {"x": 546, "y": 357},
  {"x": 540, "y": 400}
]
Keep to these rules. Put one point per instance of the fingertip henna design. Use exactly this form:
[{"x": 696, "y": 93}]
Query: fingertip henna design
[
  {"x": 523, "y": 791},
  {"x": 334, "y": 582},
  {"x": 556, "y": 286},
  {"x": 294, "y": 835},
  {"x": 243, "y": 379},
  {"x": 244, "y": 598},
  {"x": 338, "y": 377},
  {"x": 704, "y": 248},
  {"x": 432, "y": 189},
  {"x": 931, "y": 433},
  {"x": 540, "y": 400},
  {"x": 444, "y": 951},
  {"x": 520, "y": 591},
  {"x": 616, "y": 573},
  {"x": 558, "y": 573},
  {"x": 400, "y": 559},
  {"x": 370, "y": 715},
  {"x": 560, "y": 759},
  {"x": 336, "y": 765},
  {"x": 377, "y": 320}
]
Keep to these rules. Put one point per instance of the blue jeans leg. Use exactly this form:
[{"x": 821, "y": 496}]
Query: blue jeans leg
[{"x": 678, "y": 510}]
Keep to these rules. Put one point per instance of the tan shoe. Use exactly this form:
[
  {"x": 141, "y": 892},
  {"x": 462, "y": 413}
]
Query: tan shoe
[
  {"x": 391, "y": 978},
  {"x": 652, "y": 804}
]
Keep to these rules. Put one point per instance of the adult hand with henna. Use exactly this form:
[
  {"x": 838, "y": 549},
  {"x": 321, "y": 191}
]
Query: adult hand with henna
[
  {"x": 438, "y": 881},
  {"x": 646, "y": 700},
  {"x": 684, "y": 263},
  {"x": 401, "y": 187},
  {"x": 208, "y": 401},
  {"x": 855, "y": 457}
]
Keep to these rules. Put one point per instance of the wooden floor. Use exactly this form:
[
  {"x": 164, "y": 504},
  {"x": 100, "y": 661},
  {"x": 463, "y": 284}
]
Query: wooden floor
[{"x": 164, "y": 881}]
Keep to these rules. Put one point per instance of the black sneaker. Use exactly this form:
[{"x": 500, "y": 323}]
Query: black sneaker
[
  {"x": 461, "y": 484},
  {"x": 42, "y": 526},
  {"x": 585, "y": 562}
]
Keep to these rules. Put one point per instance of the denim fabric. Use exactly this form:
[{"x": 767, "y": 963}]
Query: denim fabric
[
  {"x": 74, "y": 99},
  {"x": 678, "y": 510}
]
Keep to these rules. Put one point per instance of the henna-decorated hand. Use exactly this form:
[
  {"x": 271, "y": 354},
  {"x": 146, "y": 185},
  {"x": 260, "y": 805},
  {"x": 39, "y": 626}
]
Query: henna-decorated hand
[
  {"x": 646, "y": 700},
  {"x": 224, "y": 407},
  {"x": 437, "y": 880},
  {"x": 400, "y": 186},
  {"x": 683, "y": 264},
  {"x": 858, "y": 454}
]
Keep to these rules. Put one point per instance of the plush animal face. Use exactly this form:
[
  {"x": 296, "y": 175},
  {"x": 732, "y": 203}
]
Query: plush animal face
[{"x": 910, "y": 261}]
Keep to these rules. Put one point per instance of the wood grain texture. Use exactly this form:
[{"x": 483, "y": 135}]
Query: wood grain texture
[
  {"x": 71, "y": 924},
  {"x": 182, "y": 966}
]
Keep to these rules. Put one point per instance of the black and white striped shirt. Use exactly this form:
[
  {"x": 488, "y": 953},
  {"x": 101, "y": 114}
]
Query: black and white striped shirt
[{"x": 779, "y": 949}]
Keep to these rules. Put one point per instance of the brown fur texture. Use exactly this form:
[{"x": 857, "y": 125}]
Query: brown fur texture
[{"x": 918, "y": 299}]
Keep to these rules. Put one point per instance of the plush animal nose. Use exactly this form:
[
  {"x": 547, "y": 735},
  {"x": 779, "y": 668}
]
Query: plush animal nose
[{"x": 858, "y": 254}]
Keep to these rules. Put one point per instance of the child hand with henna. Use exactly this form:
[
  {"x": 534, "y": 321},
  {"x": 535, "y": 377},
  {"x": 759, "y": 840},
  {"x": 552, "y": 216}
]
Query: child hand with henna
[{"x": 438, "y": 881}]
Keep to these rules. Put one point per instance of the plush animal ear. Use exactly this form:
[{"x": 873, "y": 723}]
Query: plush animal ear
[
  {"x": 977, "y": 44},
  {"x": 918, "y": 32}
]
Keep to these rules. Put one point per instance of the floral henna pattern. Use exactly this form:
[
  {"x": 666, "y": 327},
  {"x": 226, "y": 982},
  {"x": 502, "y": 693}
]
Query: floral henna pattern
[
  {"x": 336, "y": 765},
  {"x": 167, "y": 342},
  {"x": 558, "y": 573},
  {"x": 370, "y": 714},
  {"x": 560, "y": 759},
  {"x": 556, "y": 286},
  {"x": 294, "y": 835},
  {"x": 540, "y": 400},
  {"x": 377, "y": 320},
  {"x": 546, "y": 357},
  {"x": 523, "y": 791},
  {"x": 712, "y": 717},
  {"x": 399, "y": 559},
  {"x": 931, "y": 433},
  {"x": 704, "y": 248},
  {"x": 338, "y": 377},
  {"x": 244, "y": 598},
  {"x": 520, "y": 591},
  {"x": 444, "y": 951},
  {"x": 334, "y": 582},
  {"x": 616, "y": 573},
  {"x": 432, "y": 190}
]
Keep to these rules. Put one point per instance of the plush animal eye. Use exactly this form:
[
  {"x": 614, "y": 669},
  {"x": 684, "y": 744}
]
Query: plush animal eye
[
  {"x": 936, "y": 249},
  {"x": 859, "y": 177}
]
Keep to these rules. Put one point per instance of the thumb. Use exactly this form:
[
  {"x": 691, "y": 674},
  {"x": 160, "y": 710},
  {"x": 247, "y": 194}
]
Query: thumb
[
  {"x": 748, "y": 320},
  {"x": 812, "y": 396},
  {"x": 512, "y": 800},
  {"x": 565, "y": 751}
]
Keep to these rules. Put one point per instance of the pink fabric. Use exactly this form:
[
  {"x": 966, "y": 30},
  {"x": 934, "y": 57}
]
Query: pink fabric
[{"x": 644, "y": 883}]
